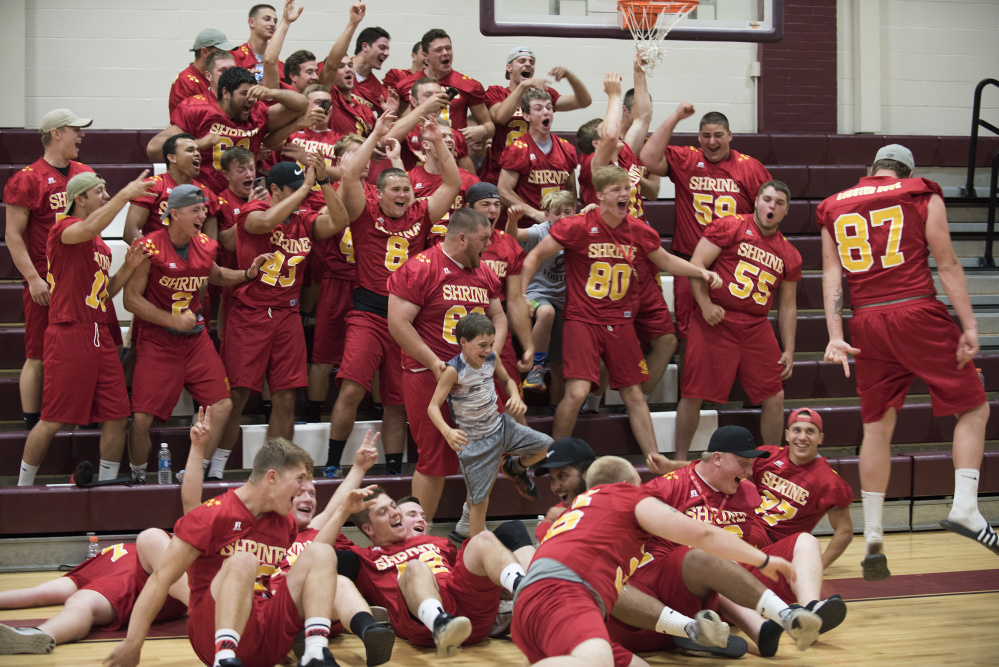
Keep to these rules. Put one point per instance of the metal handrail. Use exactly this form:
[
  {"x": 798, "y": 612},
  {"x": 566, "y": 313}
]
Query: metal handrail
[{"x": 976, "y": 122}]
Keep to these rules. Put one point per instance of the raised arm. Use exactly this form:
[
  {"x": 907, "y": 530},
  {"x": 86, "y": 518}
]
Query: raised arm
[
  {"x": 485, "y": 127},
  {"x": 513, "y": 216},
  {"x": 502, "y": 113},
  {"x": 191, "y": 486},
  {"x": 430, "y": 107},
  {"x": 134, "y": 258},
  {"x": 96, "y": 222},
  {"x": 366, "y": 456},
  {"x": 288, "y": 105},
  {"x": 641, "y": 110},
  {"x": 154, "y": 149},
  {"x": 219, "y": 275},
  {"x": 335, "y": 219},
  {"x": 341, "y": 45},
  {"x": 653, "y": 153},
  {"x": 837, "y": 350},
  {"x": 578, "y": 99},
  {"x": 440, "y": 202},
  {"x": 351, "y": 188},
  {"x": 272, "y": 77},
  {"x": 606, "y": 150},
  {"x": 263, "y": 222}
]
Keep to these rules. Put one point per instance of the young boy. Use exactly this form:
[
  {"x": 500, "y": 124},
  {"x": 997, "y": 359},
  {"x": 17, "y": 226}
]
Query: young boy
[
  {"x": 546, "y": 292},
  {"x": 484, "y": 434}
]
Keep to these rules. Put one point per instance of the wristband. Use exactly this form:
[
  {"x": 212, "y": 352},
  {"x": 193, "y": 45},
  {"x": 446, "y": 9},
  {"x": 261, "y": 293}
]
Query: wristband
[
  {"x": 325, "y": 181},
  {"x": 765, "y": 563},
  {"x": 246, "y": 275}
]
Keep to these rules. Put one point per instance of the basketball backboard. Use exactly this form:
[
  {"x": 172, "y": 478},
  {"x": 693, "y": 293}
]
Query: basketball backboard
[{"x": 713, "y": 20}]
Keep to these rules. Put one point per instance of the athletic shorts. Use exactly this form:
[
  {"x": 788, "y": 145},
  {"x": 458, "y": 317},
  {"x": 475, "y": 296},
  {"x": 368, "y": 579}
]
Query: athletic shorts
[
  {"x": 717, "y": 355},
  {"x": 166, "y": 363},
  {"x": 661, "y": 578},
  {"x": 784, "y": 548},
  {"x": 265, "y": 641},
  {"x": 262, "y": 342},
  {"x": 653, "y": 319},
  {"x": 436, "y": 458},
  {"x": 914, "y": 338},
  {"x": 117, "y": 575},
  {"x": 369, "y": 349},
  {"x": 481, "y": 458},
  {"x": 113, "y": 325},
  {"x": 84, "y": 382},
  {"x": 336, "y": 299},
  {"x": 36, "y": 319},
  {"x": 618, "y": 347},
  {"x": 552, "y": 617},
  {"x": 508, "y": 357},
  {"x": 555, "y": 341},
  {"x": 683, "y": 305}
]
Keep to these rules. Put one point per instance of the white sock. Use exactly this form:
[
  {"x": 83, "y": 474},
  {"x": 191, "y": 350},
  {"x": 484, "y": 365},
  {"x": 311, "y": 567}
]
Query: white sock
[
  {"x": 645, "y": 397},
  {"x": 219, "y": 460},
  {"x": 428, "y": 612},
  {"x": 27, "y": 474},
  {"x": 139, "y": 472},
  {"x": 874, "y": 504},
  {"x": 965, "y": 508},
  {"x": 592, "y": 402},
  {"x": 463, "y": 527},
  {"x": 510, "y": 574},
  {"x": 205, "y": 465},
  {"x": 226, "y": 641},
  {"x": 771, "y": 607},
  {"x": 672, "y": 622},
  {"x": 317, "y": 637},
  {"x": 108, "y": 470}
]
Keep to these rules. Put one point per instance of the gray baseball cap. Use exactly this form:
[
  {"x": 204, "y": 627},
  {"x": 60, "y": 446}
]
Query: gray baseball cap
[
  {"x": 184, "y": 195},
  {"x": 62, "y": 118},
  {"x": 212, "y": 37},
  {"x": 898, "y": 153}
]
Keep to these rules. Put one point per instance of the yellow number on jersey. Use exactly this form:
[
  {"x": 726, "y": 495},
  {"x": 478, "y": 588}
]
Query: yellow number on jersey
[
  {"x": 545, "y": 191},
  {"x": 270, "y": 272},
  {"x": 181, "y": 301},
  {"x": 451, "y": 317},
  {"x": 635, "y": 208},
  {"x": 785, "y": 510},
  {"x": 704, "y": 203},
  {"x": 396, "y": 252},
  {"x": 518, "y": 128},
  {"x": 224, "y": 144},
  {"x": 118, "y": 550},
  {"x": 853, "y": 239},
  {"x": 98, "y": 291},
  {"x": 347, "y": 246},
  {"x": 744, "y": 274},
  {"x": 431, "y": 558},
  {"x": 606, "y": 279}
]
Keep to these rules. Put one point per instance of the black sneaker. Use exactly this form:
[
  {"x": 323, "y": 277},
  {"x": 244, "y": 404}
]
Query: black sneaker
[
  {"x": 378, "y": 641},
  {"x": 832, "y": 611},
  {"x": 525, "y": 485},
  {"x": 449, "y": 633},
  {"x": 327, "y": 660},
  {"x": 875, "y": 565},
  {"x": 230, "y": 662},
  {"x": 736, "y": 648}
]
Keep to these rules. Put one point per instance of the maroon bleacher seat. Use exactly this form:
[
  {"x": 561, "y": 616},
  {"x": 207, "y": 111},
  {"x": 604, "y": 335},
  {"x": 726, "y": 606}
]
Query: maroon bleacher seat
[
  {"x": 37, "y": 510},
  {"x": 854, "y": 148},
  {"x": 756, "y": 146},
  {"x": 11, "y": 304},
  {"x": 988, "y": 482},
  {"x": 810, "y": 248},
  {"x": 798, "y": 148},
  {"x": 827, "y": 180},
  {"x": 929, "y": 474},
  {"x": 899, "y": 486},
  {"x": 10, "y": 400},
  {"x": 811, "y": 334},
  {"x": 20, "y": 146},
  {"x": 661, "y": 215},
  {"x": 110, "y": 147},
  {"x": 11, "y": 347},
  {"x": 799, "y": 217},
  {"x": 816, "y": 379},
  {"x": 6, "y": 171},
  {"x": 8, "y": 271},
  {"x": 795, "y": 176}
]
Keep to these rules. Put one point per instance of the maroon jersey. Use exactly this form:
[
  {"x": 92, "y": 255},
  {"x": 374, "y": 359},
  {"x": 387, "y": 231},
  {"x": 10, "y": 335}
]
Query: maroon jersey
[
  {"x": 599, "y": 538},
  {"x": 687, "y": 492},
  {"x": 393, "y": 77},
  {"x": 627, "y": 160},
  {"x": 78, "y": 277},
  {"x": 413, "y": 154},
  {"x": 505, "y": 257},
  {"x": 707, "y": 190},
  {"x": 599, "y": 265},
  {"x": 470, "y": 94},
  {"x": 383, "y": 244},
  {"x": 311, "y": 141},
  {"x": 188, "y": 83},
  {"x": 199, "y": 116},
  {"x": 752, "y": 266},
  {"x": 795, "y": 498},
  {"x": 222, "y": 526},
  {"x": 40, "y": 188},
  {"x": 279, "y": 283},
  {"x": 425, "y": 184},
  {"x": 155, "y": 200},
  {"x": 539, "y": 173},
  {"x": 445, "y": 292},
  {"x": 879, "y": 227},
  {"x": 230, "y": 205},
  {"x": 247, "y": 59},
  {"x": 350, "y": 116},
  {"x": 173, "y": 280},
  {"x": 508, "y": 132},
  {"x": 370, "y": 92}
]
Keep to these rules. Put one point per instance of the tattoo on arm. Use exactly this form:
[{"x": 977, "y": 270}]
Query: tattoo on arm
[{"x": 838, "y": 303}]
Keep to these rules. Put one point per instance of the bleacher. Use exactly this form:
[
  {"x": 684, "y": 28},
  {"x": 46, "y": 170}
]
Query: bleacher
[{"x": 814, "y": 166}]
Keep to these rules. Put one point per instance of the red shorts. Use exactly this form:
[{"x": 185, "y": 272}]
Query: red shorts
[
  {"x": 372, "y": 349},
  {"x": 552, "y": 617},
  {"x": 784, "y": 548},
  {"x": 84, "y": 382},
  {"x": 508, "y": 357},
  {"x": 36, "y": 319},
  {"x": 584, "y": 345},
  {"x": 113, "y": 325},
  {"x": 436, "y": 458},
  {"x": 264, "y": 341},
  {"x": 653, "y": 319},
  {"x": 335, "y": 301},
  {"x": 717, "y": 355},
  {"x": 117, "y": 575},
  {"x": 683, "y": 304},
  {"x": 662, "y": 578},
  {"x": 269, "y": 633},
  {"x": 166, "y": 363},
  {"x": 915, "y": 338}
]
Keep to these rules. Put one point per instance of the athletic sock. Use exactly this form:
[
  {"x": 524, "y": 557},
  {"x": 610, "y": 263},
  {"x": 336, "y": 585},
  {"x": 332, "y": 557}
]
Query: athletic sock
[
  {"x": 965, "y": 508},
  {"x": 428, "y": 612},
  {"x": 393, "y": 464},
  {"x": 361, "y": 621},
  {"x": 772, "y": 607},
  {"x": 30, "y": 419},
  {"x": 509, "y": 576},
  {"x": 334, "y": 451},
  {"x": 205, "y": 465},
  {"x": 518, "y": 467},
  {"x": 219, "y": 459},
  {"x": 267, "y": 411},
  {"x": 592, "y": 402},
  {"x": 226, "y": 642},
  {"x": 27, "y": 474},
  {"x": 317, "y": 637},
  {"x": 672, "y": 622},
  {"x": 108, "y": 470},
  {"x": 463, "y": 527},
  {"x": 874, "y": 504},
  {"x": 313, "y": 411},
  {"x": 139, "y": 472},
  {"x": 540, "y": 357}
]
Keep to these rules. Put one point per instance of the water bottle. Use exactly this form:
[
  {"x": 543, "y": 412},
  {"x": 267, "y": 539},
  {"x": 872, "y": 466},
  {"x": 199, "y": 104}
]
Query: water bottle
[
  {"x": 93, "y": 548},
  {"x": 165, "y": 473},
  {"x": 981, "y": 376}
]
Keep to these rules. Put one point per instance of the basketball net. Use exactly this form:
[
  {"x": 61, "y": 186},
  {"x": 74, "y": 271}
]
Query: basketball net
[{"x": 649, "y": 21}]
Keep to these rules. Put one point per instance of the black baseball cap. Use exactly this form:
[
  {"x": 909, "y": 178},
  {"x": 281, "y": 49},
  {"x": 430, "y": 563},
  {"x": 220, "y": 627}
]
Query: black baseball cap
[
  {"x": 735, "y": 440},
  {"x": 563, "y": 452},
  {"x": 290, "y": 174}
]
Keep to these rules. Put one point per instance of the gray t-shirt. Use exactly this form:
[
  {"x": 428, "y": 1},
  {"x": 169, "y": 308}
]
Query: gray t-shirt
[
  {"x": 549, "y": 282},
  {"x": 473, "y": 407}
]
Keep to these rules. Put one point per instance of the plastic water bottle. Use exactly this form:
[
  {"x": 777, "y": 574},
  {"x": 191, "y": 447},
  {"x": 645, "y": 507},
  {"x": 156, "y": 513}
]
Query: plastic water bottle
[
  {"x": 165, "y": 472},
  {"x": 93, "y": 548}
]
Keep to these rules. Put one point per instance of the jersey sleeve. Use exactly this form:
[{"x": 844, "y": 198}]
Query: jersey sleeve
[
  {"x": 407, "y": 282},
  {"x": 665, "y": 488},
  {"x": 195, "y": 527},
  {"x": 21, "y": 189},
  {"x": 570, "y": 154},
  {"x": 188, "y": 117},
  {"x": 492, "y": 283},
  {"x": 516, "y": 265},
  {"x": 722, "y": 231},
  {"x": 495, "y": 95},
  {"x": 792, "y": 264},
  {"x": 473, "y": 90},
  {"x": 248, "y": 208},
  {"x": 568, "y": 232},
  {"x": 646, "y": 239},
  {"x": 211, "y": 201},
  {"x": 516, "y": 158},
  {"x": 151, "y": 198}
]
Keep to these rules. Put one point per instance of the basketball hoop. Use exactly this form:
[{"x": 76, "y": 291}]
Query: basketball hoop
[{"x": 649, "y": 21}]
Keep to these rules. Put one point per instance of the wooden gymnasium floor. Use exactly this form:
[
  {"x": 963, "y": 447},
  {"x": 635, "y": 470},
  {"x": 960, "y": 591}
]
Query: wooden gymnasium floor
[{"x": 940, "y": 607}]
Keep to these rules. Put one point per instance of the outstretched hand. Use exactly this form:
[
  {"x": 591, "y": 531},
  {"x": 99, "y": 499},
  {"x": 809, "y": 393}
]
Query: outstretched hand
[
  {"x": 367, "y": 453},
  {"x": 357, "y": 500},
  {"x": 290, "y": 15},
  {"x": 838, "y": 351}
]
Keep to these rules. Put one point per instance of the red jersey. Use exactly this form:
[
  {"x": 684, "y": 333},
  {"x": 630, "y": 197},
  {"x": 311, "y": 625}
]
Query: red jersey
[
  {"x": 752, "y": 266},
  {"x": 707, "y": 190},
  {"x": 425, "y": 184},
  {"x": 78, "y": 277},
  {"x": 393, "y": 77},
  {"x": 230, "y": 205},
  {"x": 795, "y": 498},
  {"x": 199, "y": 116},
  {"x": 369, "y": 91},
  {"x": 539, "y": 173},
  {"x": 222, "y": 526},
  {"x": 188, "y": 83},
  {"x": 173, "y": 280},
  {"x": 40, "y": 188},
  {"x": 470, "y": 94},
  {"x": 687, "y": 492},
  {"x": 599, "y": 265},
  {"x": 413, "y": 154},
  {"x": 279, "y": 283},
  {"x": 383, "y": 244},
  {"x": 508, "y": 132},
  {"x": 247, "y": 59},
  {"x": 445, "y": 292},
  {"x": 155, "y": 200},
  {"x": 302, "y": 540},
  {"x": 599, "y": 538},
  {"x": 626, "y": 159},
  {"x": 311, "y": 141},
  {"x": 879, "y": 227},
  {"x": 350, "y": 116},
  {"x": 505, "y": 257}
]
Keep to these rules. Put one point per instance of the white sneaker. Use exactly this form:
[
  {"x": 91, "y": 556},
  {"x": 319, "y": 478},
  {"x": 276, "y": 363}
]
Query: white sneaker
[{"x": 24, "y": 640}]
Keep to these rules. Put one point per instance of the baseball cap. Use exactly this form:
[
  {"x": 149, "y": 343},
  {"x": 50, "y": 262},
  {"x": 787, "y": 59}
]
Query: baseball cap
[
  {"x": 212, "y": 37},
  {"x": 184, "y": 195},
  {"x": 79, "y": 185},
  {"x": 563, "y": 452},
  {"x": 517, "y": 52},
  {"x": 735, "y": 440},
  {"x": 805, "y": 415},
  {"x": 286, "y": 173},
  {"x": 62, "y": 118},
  {"x": 480, "y": 191},
  {"x": 898, "y": 153}
]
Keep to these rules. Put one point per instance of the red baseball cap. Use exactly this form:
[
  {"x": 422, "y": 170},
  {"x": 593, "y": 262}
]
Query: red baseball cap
[{"x": 805, "y": 415}]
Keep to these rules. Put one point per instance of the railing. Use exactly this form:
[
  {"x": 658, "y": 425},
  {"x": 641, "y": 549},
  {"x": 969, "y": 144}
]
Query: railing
[{"x": 969, "y": 189}]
